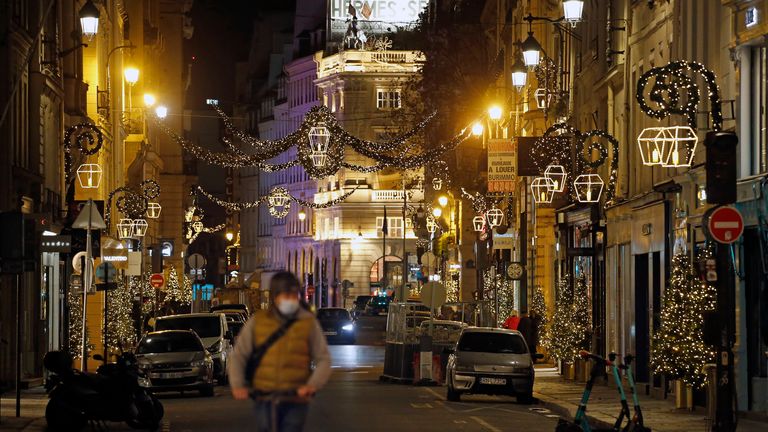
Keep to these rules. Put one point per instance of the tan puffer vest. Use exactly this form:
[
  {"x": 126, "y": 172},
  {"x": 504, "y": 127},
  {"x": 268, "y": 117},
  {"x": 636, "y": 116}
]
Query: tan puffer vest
[{"x": 286, "y": 364}]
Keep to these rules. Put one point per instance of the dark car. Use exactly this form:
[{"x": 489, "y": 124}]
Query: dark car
[
  {"x": 358, "y": 307},
  {"x": 175, "y": 360},
  {"x": 338, "y": 325},
  {"x": 378, "y": 305},
  {"x": 230, "y": 307}
]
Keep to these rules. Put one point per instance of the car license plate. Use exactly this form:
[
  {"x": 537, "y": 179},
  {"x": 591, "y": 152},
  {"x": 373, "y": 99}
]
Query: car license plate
[
  {"x": 330, "y": 333},
  {"x": 382, "y": 313},
  {"x": 493, "y": 381},
  {"x": 168, "y": 375}
]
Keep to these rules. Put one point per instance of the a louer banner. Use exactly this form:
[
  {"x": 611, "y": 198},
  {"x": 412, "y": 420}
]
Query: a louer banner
[{"x": 502, "y": 165}]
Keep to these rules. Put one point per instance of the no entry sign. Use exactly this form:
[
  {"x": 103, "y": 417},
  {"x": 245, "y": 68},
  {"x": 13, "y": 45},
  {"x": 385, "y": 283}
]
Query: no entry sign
[
  {"x": 725, "y": 224},
  {"x": 157, "y": 280}
]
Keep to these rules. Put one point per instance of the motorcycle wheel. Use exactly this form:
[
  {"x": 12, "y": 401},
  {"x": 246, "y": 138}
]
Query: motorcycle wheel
[
  {"x": 62, "y": 417},
  {"x": 150, "y": 413}
]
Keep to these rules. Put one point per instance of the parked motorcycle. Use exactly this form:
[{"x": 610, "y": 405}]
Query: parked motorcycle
[{"x": 113, "y": 394}]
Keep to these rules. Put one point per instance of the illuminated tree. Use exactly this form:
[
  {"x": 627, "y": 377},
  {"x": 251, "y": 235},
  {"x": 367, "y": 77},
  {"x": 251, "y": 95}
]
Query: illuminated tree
[
  {"x": 571, "y": 322},
  {"x": 539, "y": 310},
  {"x": 120, "y": 324},
  {"x": 679, "y": 351}
]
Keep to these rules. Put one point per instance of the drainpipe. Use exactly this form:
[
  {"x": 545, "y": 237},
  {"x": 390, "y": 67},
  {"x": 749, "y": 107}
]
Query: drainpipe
[{"x": 628, "y": 139}]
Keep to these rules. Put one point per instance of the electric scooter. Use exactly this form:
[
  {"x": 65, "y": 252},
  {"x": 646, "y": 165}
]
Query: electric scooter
[
  {"x": 624, "y": 414},
  {"x": 636, "y": 422},
  {"x": 580, "y": 423}
]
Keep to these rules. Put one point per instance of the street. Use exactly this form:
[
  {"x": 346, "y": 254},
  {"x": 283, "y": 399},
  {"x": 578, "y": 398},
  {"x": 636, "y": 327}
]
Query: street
[{"x": 355, "y": 399}]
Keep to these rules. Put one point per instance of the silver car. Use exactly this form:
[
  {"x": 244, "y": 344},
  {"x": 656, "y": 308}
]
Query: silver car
[
  {"x": 490, "y": 361},
  {"x": 175, "y": 360}
]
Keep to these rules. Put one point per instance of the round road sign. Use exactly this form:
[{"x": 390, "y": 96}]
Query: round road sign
[
  {"x": 157, "y": 280},
  {"x": 433, "y": 294},
  {"x": 724, "y": 224},
  {"x": 196, "y": 261}
]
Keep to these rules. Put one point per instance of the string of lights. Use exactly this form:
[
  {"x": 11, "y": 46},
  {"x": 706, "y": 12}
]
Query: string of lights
[
  {"x": 669, "y": 82},
  {"x": 132, "y": 203}
]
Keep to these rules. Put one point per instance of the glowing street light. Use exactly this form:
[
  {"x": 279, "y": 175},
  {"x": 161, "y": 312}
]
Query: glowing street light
[
  {"x": 149, "y": 100},
  {"x": 442, "y": 200},
  {"x": 131, "y": 75},
  {"x": 531, "y": 50},
  {"x": 477, "y": 128},
  {"x": 89, "y": 19},
  {"x": 302, "y": 215},
  {"x": 494, "y": 112},
  {"x": 437, "y": 212},
  {"x": 572, "y": 10},
  {"x": 519, "y": 74},
  {"x": 161, "y": 111},
  {"x": 229, "y": 235}
]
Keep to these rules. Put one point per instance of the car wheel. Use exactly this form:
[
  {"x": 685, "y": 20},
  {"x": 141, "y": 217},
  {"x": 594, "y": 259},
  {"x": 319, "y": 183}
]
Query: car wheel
[
  {"x": 525, "y": 398},
  {"x": 207, "y": 391},
  {"x": 452, "y": 395}
]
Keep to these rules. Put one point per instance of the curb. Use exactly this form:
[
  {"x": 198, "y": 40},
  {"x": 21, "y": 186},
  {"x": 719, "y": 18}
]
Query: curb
[{"x": 568, "y": 411}]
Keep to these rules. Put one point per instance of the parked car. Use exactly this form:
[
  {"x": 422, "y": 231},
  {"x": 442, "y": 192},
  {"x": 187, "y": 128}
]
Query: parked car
[
  {"x": 175, "y": 360},
  {"x": 213, "y": 331},
  {"x": 358, "y": 307},
  {"x": 233, "y": 316},
  {"x": 490, "y": 361},
  {"x": 236, "y": 306},
  {"x": 338, "y": 325},
  {"x": 377, "y": 305},
  {"x": 235, "y": 328}
]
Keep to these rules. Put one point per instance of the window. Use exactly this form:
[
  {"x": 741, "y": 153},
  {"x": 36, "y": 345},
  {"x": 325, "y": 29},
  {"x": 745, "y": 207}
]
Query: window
[
  {"x": 336, "y": 227},
  {"x": 394, "y": 227},
  {"x": 387, "y": 99},
  {"x": 758, "y": 113}
]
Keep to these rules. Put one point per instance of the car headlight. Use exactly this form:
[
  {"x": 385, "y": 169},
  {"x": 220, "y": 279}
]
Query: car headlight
[
  {"x": 144, "y": 382},
  {"x": 215, "y": 347},
  {"x": 348, "y": 327}
]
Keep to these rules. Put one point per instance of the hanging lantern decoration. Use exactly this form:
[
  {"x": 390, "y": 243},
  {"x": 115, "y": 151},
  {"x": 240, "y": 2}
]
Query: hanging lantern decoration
[
  {"x": 197, "y": 226},
  {"x": 651, "y": 143},
  {"x": 319, "y": 138},
  {"x": 279, "y": 201},
  {"x": 495, "y": 217},
  {"x": 431, "y": 224},
  {"x": 125, "y": 228},
  {"x": 543, "y": 190},
  {"x": 679, "y": 144},
  {"x": 89, "y": 175},
  {"x": 153, "y": 210},
  {"x": 478, "y": 222},
  {"x": 588, "y": 188},
  {"x": 543, "y": 98},
  {"x": 140, "y": 227},
  {"x": 437, "y": 183},
  {"x": 558, "y": 175}
]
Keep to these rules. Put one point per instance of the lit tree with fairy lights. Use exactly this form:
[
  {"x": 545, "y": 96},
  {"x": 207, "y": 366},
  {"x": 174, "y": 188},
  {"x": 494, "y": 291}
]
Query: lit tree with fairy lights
[
  {"x": 679, "y": 351},
  {"x": 120, "y": 325},
  {"x": 539, "y": 310},
  {"x": 571, "y": 320}
]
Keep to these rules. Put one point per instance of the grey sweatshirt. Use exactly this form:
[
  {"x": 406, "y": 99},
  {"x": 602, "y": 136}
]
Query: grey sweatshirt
[{"x": 244, "y": 346}]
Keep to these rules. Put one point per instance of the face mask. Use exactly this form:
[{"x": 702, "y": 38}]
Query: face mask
[{"x": 288, "y": 307}]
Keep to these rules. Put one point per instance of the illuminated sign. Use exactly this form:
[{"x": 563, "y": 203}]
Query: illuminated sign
[
  {"x": 114, "y": 258},
  {"x": 373, "y": 16}
]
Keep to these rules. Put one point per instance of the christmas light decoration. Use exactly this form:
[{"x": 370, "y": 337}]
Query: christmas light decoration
[
  {"x": 679, "y": 351},
  {"x": 588, "y": 188},
  {"x": 542, "y": 97},
  {"x": 240, "y": 205},
  {"x": 543, "y": 190},
  {"x": 431, "y": 224},
  {"x": 672, "y": 85},
  {"x": 478, "y": 222},
  {"x": 125, "y": 228},
  {"x": 495, "y": 217},
  {"x": 75, "y": 303},
  {"x": 649, "y": 142},
  {"x": 437, "y": 183},
  {"x": 502, "y": 294},
  {"x": 120, "y": 323},
  {"x": 88, "y": 139},
  {"x": 197, "y": 226},
  {"x": 153, "y": 210},
  {"x": 558, "y": 175},
  {"x": 279, "y": 201},
  {"x": 132, "y": 203},
  {"x": 318, "y": 141},
  {"x": 679, "y": 143},
  {"x": 571, "y": 322},
  {"x": 89, "y": 176},
  {"x": 140, "y": 227},
  {"x": 540, "y": 315}
]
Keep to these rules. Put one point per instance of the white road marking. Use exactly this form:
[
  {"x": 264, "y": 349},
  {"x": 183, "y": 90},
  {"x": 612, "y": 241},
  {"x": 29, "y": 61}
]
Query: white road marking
[
  {"x": 436, "y": 394},
  {"x": 421, "y": 405},
  {"x": 485, "y": 424}
]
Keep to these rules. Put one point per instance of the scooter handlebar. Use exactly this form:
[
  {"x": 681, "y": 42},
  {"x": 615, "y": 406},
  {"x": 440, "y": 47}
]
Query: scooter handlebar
[{"x": 588, "y": 355}]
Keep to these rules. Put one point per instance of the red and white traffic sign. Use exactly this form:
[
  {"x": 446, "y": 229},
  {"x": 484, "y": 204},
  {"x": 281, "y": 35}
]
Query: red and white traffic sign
[
  {"x": 157, "y": 280},
  {"x": 725, "y": 224}
]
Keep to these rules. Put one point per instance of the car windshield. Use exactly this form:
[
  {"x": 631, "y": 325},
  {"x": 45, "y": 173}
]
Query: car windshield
[
  {"x": 492, "y": 343},
  {"x": 204, "y": 326},
  {"x": 332, "y": 314},
  {"x": 378, "y": 301},
  {"x": 167, "y": 343}
]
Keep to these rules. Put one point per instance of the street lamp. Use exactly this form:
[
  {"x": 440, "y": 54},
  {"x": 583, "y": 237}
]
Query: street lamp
[
  {"x": 572, "y": 11},
  {"x": 149, "y": 100},
  {"x": 477, "y": 128},
  {"x": 89, "y": 19},
  {"x": 519, "y": 74},
  {"x": 442, "y": 200},
  {"x": 229, "y": 235},
  {"x": 531, "y": 50},
  {"x": 437, "y": 212},
  {"x": 131, "y": 75},
  {"x": 161, "y": 111},
  {"x": 302, "y": 214},
  {"x": 494, "y": 112}
]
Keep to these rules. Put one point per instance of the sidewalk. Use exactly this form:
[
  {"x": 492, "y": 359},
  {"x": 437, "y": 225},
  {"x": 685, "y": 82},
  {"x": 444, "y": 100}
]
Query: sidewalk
[
  {"x": 562, "y": 397},
  {"x": 33, "y": 403}
]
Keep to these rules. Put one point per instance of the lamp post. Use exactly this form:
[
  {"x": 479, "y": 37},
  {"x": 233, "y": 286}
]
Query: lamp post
[{"x": 89, "y": 19}]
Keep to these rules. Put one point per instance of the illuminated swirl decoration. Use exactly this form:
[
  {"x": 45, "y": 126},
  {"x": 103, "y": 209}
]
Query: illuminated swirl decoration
[
  {"x": 132, "y": 203},
  {"x": 674, "y": 91},
  {"x": 386, "y": 154},
  {"x": 279, "y": 201},
  {"x": 88, "y": 139},
  {"x": 551, "y": 148}
]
